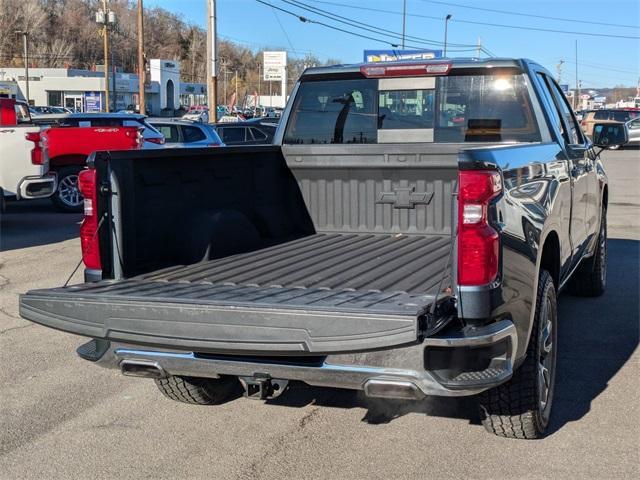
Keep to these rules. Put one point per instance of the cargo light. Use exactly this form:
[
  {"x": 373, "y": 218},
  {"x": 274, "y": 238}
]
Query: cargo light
[
  {"x": 89, "y": 240},
  {"x": 478, "y": 242},
  {"x": 405, "y": 70},
  {"x": 37, "y": 152}
]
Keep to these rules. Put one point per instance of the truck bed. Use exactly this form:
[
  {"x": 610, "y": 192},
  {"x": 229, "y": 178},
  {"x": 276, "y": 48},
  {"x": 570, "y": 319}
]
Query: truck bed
[
  {"x": 264, "y": 252},
  {"x": 329, "y": 292}
]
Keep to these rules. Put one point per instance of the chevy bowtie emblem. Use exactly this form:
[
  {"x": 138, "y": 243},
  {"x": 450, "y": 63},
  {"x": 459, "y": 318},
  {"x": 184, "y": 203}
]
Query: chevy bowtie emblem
[{"x": 405, "y": 198}]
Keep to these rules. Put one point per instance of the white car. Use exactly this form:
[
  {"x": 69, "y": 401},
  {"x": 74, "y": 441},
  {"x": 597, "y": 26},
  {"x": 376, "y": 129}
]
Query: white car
[{"x": 197, "y": 114}]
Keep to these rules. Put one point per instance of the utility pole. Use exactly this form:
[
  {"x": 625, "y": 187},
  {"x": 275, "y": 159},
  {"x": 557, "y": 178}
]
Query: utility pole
[
  {"x": 107, "y": 19},
  {"x": 479, "y": 48},
  {"x": 212, "y": 61},
  {"x": 142, "y": 69},
  {"x": 446, "y": 25},
  {"x": 236, "y": 93},
  {"x": 25, "y": 48},
  {"x": 404, "y": 20}
]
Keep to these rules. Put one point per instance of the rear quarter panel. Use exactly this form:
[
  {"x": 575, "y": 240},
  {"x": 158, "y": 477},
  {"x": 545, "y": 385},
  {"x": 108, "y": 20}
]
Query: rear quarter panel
[
  {"x": 535, "y": 202},
  {"x": 16, "y": 157}
]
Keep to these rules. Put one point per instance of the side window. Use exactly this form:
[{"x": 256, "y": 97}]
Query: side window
[
  {"x": 193, "y": 134},
  {"x": 258, "y": 135},
  {"x": 233, "y": 134},
  {"x": 601, "y": 115},
  {"x": 170, "y": 132},
  {"x": 574, "y": 132},
  {"x": 553, "y": 109},
  {"x": 634, "y": 124}
]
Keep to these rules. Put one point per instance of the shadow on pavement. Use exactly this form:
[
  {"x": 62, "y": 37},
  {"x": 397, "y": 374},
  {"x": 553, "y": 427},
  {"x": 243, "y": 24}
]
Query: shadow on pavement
[
  {"x": 596, "y": 337},
  {"x": 34, "y": 223}
]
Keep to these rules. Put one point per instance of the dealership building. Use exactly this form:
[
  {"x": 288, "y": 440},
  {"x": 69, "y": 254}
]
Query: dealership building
[{"x": 83, "y": 90}]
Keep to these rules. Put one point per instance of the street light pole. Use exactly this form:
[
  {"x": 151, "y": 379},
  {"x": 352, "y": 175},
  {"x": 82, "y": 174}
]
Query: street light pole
[
  {"x": 25, "y": 47},
  {"x": 446, "y": 24}
]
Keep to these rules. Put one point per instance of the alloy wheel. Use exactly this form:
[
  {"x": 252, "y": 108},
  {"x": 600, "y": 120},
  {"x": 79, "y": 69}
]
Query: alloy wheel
[{"x": 68, "y": 191}]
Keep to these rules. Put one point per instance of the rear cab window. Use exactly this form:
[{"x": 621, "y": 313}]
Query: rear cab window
[{"x": 464, "y": 106}]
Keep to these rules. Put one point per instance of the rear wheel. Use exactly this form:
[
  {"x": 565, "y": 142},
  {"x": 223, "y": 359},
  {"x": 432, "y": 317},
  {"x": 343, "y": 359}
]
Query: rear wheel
[
  {"x": 67, "y": 197},
  {"x": 521, "y": 407},
  {"x": 199, "y": 391}
]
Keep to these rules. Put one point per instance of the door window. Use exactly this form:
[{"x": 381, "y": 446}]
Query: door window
[
  {"x": 551, "y": 106},
  {"x": 634, "y": 124},
  {"x": 193, "y": 134},
  {"x": 233, "y": 134},
  {"x": 258, "y": 135},
  {"x": 574, "y": 132},
  {"x": 170, "y": 132}
]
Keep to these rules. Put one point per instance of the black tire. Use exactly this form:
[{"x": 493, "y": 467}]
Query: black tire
[
  {"x": 590, "y": 279},
  {"x": 67, "y": 198},
  {"x": 199, "y": 391},
  {"x": 521, "y": 407}
]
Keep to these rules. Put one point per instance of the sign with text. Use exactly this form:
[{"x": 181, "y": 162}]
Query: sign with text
[
  {"x": 374, "y": 56},
  {"x": 275, "y": 64},
  {"x": 92, "y": 102}
]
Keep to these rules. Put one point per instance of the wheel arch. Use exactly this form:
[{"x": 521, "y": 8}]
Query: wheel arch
[{"x": 550, "y": 257}]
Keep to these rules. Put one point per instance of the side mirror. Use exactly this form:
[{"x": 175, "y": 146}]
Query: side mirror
[{"x": 610, "y": 134}]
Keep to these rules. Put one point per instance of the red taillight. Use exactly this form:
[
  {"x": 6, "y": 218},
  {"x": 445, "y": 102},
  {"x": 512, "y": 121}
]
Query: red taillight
[
  {"x": 89, "y": 228},
  {"x": 156, "y": 140},
  {"x": 404, "y": 70},
  {"x": 478, "y": 242},
  {"x": 37, "y": 152}
]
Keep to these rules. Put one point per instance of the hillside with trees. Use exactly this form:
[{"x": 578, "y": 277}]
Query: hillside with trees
[{"x": 63, "y": 34}]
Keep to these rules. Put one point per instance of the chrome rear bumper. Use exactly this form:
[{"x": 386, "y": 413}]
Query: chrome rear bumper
[
  {"x": 376, "y": 381},
  {"x": 37, "y": 187}
]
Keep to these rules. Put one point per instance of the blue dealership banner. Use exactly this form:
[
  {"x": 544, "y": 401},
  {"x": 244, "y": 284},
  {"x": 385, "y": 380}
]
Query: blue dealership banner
[
  {"x": 93, "y": 102},
  {"x": 373, "y": 56}
]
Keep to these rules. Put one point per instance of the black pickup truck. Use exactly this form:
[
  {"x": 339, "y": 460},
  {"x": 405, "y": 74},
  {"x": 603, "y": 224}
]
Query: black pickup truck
[{"x": 406, "y": 235}]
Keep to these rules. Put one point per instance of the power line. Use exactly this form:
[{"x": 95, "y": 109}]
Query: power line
[
  {"x": 506, "y": 12},
  {"x": 366, "y": 26},
  {"x": 308, "y": 20},
  {"x": 499, "y": 25},
  {"x": 275, "y": 14}
]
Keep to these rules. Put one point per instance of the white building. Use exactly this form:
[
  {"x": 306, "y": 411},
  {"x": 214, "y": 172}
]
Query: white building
[{"x": 83, "y": 90}]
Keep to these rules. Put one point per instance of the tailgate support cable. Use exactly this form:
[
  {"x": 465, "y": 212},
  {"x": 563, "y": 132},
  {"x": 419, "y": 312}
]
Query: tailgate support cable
[{"x": 80, "y": 262}]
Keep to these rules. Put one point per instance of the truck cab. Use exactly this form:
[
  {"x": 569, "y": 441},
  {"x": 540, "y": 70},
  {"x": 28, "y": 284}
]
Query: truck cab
[{"x": 24, "y": 170}]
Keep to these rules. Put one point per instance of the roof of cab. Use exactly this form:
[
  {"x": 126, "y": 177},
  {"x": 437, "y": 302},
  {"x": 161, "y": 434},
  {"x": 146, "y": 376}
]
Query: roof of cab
[{"x": 455, "y": 62}]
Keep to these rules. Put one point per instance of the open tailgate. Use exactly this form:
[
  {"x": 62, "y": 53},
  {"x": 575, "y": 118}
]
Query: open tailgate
[{"x": 229, "y": 318}]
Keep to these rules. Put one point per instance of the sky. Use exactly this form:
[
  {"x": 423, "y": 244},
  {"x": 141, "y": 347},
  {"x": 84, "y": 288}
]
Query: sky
[{"x": 607, "y": 31}]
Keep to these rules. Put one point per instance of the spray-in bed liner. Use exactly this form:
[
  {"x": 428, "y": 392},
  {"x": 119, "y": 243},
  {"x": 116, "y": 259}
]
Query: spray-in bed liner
[{"x": 323, "y": 293}]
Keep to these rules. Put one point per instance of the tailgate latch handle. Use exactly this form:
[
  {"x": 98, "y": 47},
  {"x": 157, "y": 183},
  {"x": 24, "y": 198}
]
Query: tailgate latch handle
[{"x": 405, "y": 197}]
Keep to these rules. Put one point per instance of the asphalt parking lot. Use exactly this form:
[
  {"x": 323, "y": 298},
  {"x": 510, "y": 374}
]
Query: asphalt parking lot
[{"x": 60, "y": 417}]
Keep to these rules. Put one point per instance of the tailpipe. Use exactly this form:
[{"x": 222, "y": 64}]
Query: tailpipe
[{"x": 141, "y": 368}]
